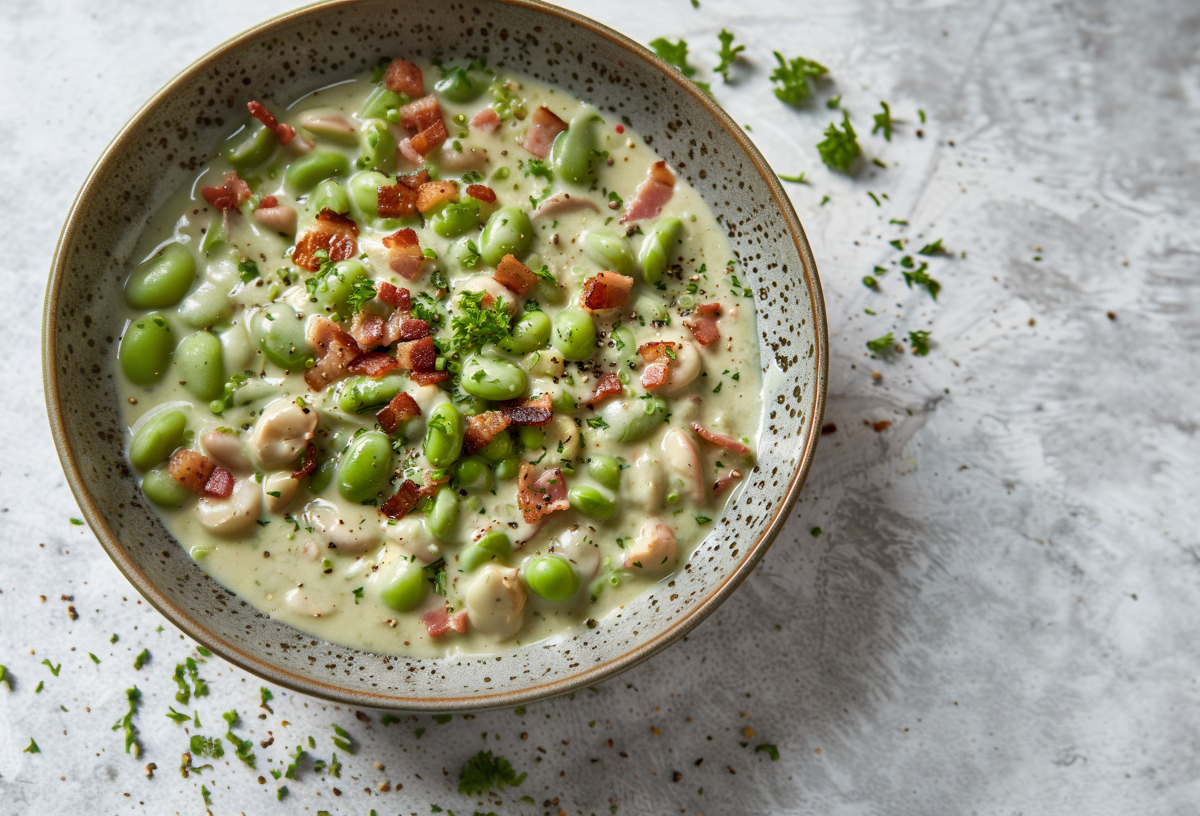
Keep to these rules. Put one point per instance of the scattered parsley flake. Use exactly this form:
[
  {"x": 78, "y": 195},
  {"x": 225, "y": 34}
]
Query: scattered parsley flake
[
  {"x": 881, "y": 345},
  {"x": 538, "y": 167},
  {"x": 95, "y": 659},
  {"x": 883, "y": 121},
  {"x": 142, "y": 659},
  {"x": 485, "y": 771},
  {"x": 933, "y": 249},
  {"x": 717, "y": 390},
  {"x": 920, "y": 277},
  {"x": 921, "y": 114},
  {"x": 897, "y": 245},
  {"x": 702, "y": 520},
  {"x": 728, "y": 54},
  {"x": 358, "y": 593},
  {"x": 442, "y": 719},
  {"x": 870, "y": 282},
  {"x": 242, "y": 748},
  {"x": 177, "y": 717},
  {"x": 792, "y": 77},
  {"x": 874, "y": 198},
  {"x": 597, "y": 422},
  {"x": 920, "y": 342},
  {"x": 816, "y": 532},
  {"x": 796, "y": 179},
  {"x": 833, "y": 102},
  {"x": 131, "y": 732},
  {"x": 33, "y": 747},
  {"x": 388, "y": 719},
  {"x": 343, "y": 740},
  {"x": 265, "y": 697},
  {"x": 435, "y": 573},
  {"x": 475, "y": 325},
  {"x": 840, "y": 148},
  {"x": 899, "y": 222},
  {"x": 824, "y": 201},
  {"x": 769, "y": 750},
  {"x": 76, "y": 522},
  {"x": 470, "y": 257},
  {"x": 53, "y": 669},
  {"x": 675, "y": 54},
  {"x": 294, "y": 766}
]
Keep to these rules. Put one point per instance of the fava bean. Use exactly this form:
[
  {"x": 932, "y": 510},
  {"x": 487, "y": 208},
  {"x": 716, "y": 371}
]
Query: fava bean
[
  {"x": 364, "y": 192},
  {"x": 377, "y": 146},
  {"x": 492, "y": 379},
  {"x": 460, "y": 85},
  {"x": 590, "y": 502},
  {"x": 304, "y": 173},
  {"x": 205, "y": 307},
  {"x": 508, "y": 232},
  {"x": 650, "y": 308},
  {"x": 605, "y": 470},
  {"x": 157, "y": 439},
  {"x": 531, "y": 437},
  {"x": 530, "y": 333},
  {"x": 574, "y": 334},
  {"x": 329, "y": 194},
  {"x": 164, "y": 491},
  {"x": 551, "y": 577},
  {"x": 657, "y": 249},
  {"x": 334, "y": 290},
  {"x": 563, "y": 402},
  {"x": 323, "y": 475},
  {"x": 380, "y": 101},
  {"x": 493, "y": 545},
  {"x": 250, "y": 147},
  {"x": 548, "y": 291},
  {"x": 214, "y": 236},
  {"x": 443, "y": 436},
  {"x": 499, "y": 448},
  {"x": 626, "y": 345},
  {"x": 199, "y": 365},
  {"x": 279, "y": 332},
  {"x": 145, "y": 351},
  {"x": 365, "y": 466},
  {"x": 474, "y": 474},
  {"x": 573, "y": 154},
  {"x": 360, "y": 394},
  {"x": 508, "y": 468},
  {"x": 405, "y": 590},
  {"x": 443, "y": 517},
  {"x": 455, "y": 218},
  {"x": 162, "y": 280},
  {"x": 608, "y": 250},
  {"x": 634, "y": 423}
]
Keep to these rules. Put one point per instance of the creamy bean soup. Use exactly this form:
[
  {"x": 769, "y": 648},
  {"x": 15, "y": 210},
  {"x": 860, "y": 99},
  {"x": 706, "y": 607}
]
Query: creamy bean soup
[{"x": 439, "y": 360}]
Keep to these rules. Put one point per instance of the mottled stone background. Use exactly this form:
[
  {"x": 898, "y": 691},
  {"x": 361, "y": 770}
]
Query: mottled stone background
[{"x": 999, "y": 616}]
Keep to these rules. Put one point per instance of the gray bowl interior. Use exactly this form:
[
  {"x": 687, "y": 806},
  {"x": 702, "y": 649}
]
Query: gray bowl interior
[{"x": 177, "y": 133}]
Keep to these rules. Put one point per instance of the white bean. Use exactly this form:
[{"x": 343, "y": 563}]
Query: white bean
[
  {"x": 409, "y": 536},
  {"x": 496, "y": 602},
  {"x": 282, "y": 433},
  {"x": 655, "y": 549},
  {"x": 280, "y": 218},
  {"x": 579, "y": 546},
  {"x": 684, "y": 463},
  {"x": 278, "y": 491},
  {"x": 226, "y": 450},
  {"x": 233, "y": 515},
  {"x": 354, "y": 532},
  {"x": 646, "y": 484},
  {"x": 310, "y": 604}
]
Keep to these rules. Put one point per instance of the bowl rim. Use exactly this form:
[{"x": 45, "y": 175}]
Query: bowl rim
[{"x": 267, "y": 670}]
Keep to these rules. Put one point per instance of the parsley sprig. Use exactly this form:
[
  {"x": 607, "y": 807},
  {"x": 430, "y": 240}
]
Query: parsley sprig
[
  {"x": 728, "y": 54},
  {"x": 484, "y": 772},
  {"x": 882, "y": 345},
  {"x": 920, "y": 342},
  {"x": 883, "y": 121},
  {"x": 840, "y": 148},
  {"x": 792, "y": 77},
  {"x": 676, "y": 54},
  {"x": 475, "y": 325}
]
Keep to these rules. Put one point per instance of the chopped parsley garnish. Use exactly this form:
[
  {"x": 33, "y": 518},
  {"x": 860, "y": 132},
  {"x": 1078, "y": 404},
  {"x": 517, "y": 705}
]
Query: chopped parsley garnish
[
  {"x": 265, "y": 697},
  {"x": 920, "y": 342},
  {"x": 870, "y": 282},
  {"x": 471, "y": 256},
  {"x": 597, "y": 422},
  {"x": 883, "y": 121},
  {"x": 435, "y": 574},
  {"x": 177, "y": 717},
  {"x": 840, "y": 148},
  {"x": 484, "y": 772},
  {"x": 676, "y": 54},
  {"x": 932, "y": 249},
  {"x": 881, "y": 345},
  {"x": 95, "y": 659},
  {"x": 796, "y": 179},
  {"x": 475, "y": 325},
  {"x": 294, "y": 766},
  {"x": 76, "y": 522},
  {"x": 792, "y": 78},
  {"x": 343, "y": 740},
  {"x": 131, "y": 732},
  {"x": 537, "y": 167},
  {"x": 921, "y": 114},
  {"x": 769, "y": 750},
  {"x": 32, "y": 748},
  {"x": 874, "y": 198},
  {"x": 142, "y": 659},
  {"x": 920, "y": 277},
  {"x": 242, "y": 748},
  {"x": 833, "y": 102},
  {"x": 816, "y": 532},
  {"x": 247, "y": 270},
  {"x": 717, "y": 390},
  {"x": 53, "y": 669},
  {"x": 702, "y": 520},
  {"x": 202, "y": 746},
  {"x": 358, "y": 593},
  {"x": 728, "y": 53}
]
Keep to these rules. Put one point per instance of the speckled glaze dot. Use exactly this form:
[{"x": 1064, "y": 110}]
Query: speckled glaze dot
[{"x": 181, "y": 129}]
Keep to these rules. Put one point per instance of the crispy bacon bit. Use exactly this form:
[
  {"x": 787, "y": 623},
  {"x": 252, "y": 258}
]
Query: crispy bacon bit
[
  {"x": 309, "y": 466},
  {"x": 712, "y": 309},
  {"x": 267, "y": 202},
  {"x": 432, "y": 480},
  {"x": 542, "y": 132},
  {"x": 438, "y": 622},
  {"x": 533, "y": 411},
  {"x": 191, "y": 469},
  {"x": 409, "y": 152},
  {"x": 435, "y": 193},
  {"x": 219, "y": 484},
  {"x": 725, "y": 481},
  {"x": 429, "y": 139},
  {"x": 417, "y": 355},
  {"x": 335, "y": 351},
  {"x": 402, "y": 501},
  {"x": 230, "y": 195},
  {"x": 561, "y": 203},
  {"x": 332, "y": 232},
  {"x": 367, "y": 330},
  {"x": 658, "y": 351},
  {"x": 401, "y": 407},
  {"x": 284, "y": 133},
  {"x": 546, "y": 495},
  {"x": 481, "y": 193},
  {"x": 652, "y": 194},
  {"x": 421, "y": 113},
  {"x": 608, "y": 290},
  {"x": 404, "y": 253},
  {"x": 482, "y": 429},
  {"x": 721, "y": 440},
  {"x": 828, "y": 428},
  {"x": 413, "y": 181},
  {"x": 654, "y": 375},
  {"x": 396, "y": 201},
  {"x": 608, "y": 385},
  {"x": 374, "y": 364},
  {"x": 404, "y": 77},
  {"x": 703, "y": 328},
  {"x": 394, "y": 296},
  {"x": 413, "y": 329},
  {"x": 486, "y": 120},
  {"x": 429, "y": 377},
  {"x": 514, "y": 275},
  {"x": 881, "y": 426}
]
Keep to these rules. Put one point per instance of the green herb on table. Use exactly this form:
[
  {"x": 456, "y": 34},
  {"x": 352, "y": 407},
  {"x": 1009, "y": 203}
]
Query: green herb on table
[
  {"x": 792, "y": 77},
  {"x": 920, "y": 277},
  {"x": 487, "y": 772},
  {"x": 32, "y": 748},
  {"x": 199, "y": 687},
  {"x": 95, "y": 659},
  {"x": 921, "y": 114},
  {"x": 882, "y": 345},
  {"x": 76, "y": 522},
  {"x": 833, "y": 102},
  {"x": 883, "y": 121},
  {"x": 796, "y": 179},
  {"x": 358, "y": 594},
  {"x": 471, "y": 257},
  {"x": 131, "y": 732},
  {"x": 4, "y": 680},
  {"x": 442, "y": 719},
  {"x": 870, "y": 282},
  {"x": 816, "y": 532},
  {"x": 343, "y": 740},
  {"x": 676, "y": 54},
  {"x": 142, "y": 659},
  {"x": 203, "y": 746},
  {"x": 933, "y": 249},
  {"x": 874, "y": 198},
  {"x": 265, "y": 697},
  {"x": 769, "y": 750},
  {"x": 294, "y": 766},
  {"x": 177, "y": 717},
  {"x": 728, "y": 54},
  {"x": 242, "y": 748},
  {"x": 920, "y": 342},
  {"x": 840, "y": 148},
  {"x": 702, "y": 520}
]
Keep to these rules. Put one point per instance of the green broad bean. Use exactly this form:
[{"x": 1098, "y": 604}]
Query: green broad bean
[
  {"x": 657, "y": 249},
  {"x": 492, "y": 379},
  {"x": 249, "y": 148},
  {"x": 508, "y": 232},
  {"x": 205, "y": 307},
  {"x": 365, "y": 466},
  {"x": 626, "y": 345},
  {"x": 162, "y": 280},
  {"x": 608, "y": 250},
  {"x": 443, "y": 436},
  {"x": 590, "y": 502},
  {"x": 443, "y": 516},
  {"x": 548, "y": 291},
  {"x": 279, "y": 332},
  {"x": 145, "y": 351},
  {"x": 574, "y": 334},
  {"x": 562, "y": 402},
  {"x": 605, "y": 470},
  {"x": 329, "y": 194},
  {"x": 377, "y": 146},
  {"x": 455, "y": 218},
  {"x": 649, "y": 307},
  {"x": 364, "y": 192},
  {"x": 306, "y": 172},
  {"x": 474, "y": 474},
  {"x": 499, "y": 449},
  {"x": 494, "y": 544},
  {"x": 157, "y": 439},
  {"x": 164, "y": 491},
  {"x": 214, "y": 236},
  {"x": 573, "y": 154},
  {"x": 508, "y": 468},
  {"x": 531, "y": 332},
  {"x": 360, "y": 394},
  {"x": 199, "y": 365},
  {"x": 405, "y": 590},
  {"x": 323, "y": 475},
  {"x": 335, "y": 288},
  {"x": 551, "y": 577},
  {"x": 634, "y": 424},
  {"x": 460, "y": 85},
  {"x": 531, "y": 437},
  {"x": 380, "y": 101}
]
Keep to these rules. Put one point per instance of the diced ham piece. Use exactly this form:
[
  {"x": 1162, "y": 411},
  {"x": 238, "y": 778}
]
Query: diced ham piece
[
  {"x": 429, "y": 377},
  {"x": 397, "y": 201},
  {"x": 191, "y": 469},
  {"x": 435, "y": 193},
  {"x": 413, "y": 181},
  {"x": 404, "y": 253},
  {"x": 373, "y": 364},
  {"x": 267, "y": 202},
  {"x": 403, "y": 77},
  {"x": 534, "y": 411},
  {"x": 482, "y": 193},
  {"x": 544, "y": 129},
  {"x": 658, "y": 351},
  {"x": 335, "y": 351},
  {"x": 722, "y": 482},
  {"x": 562, "y": 203},
  {"x": 486, "y": 120},
  {"x": 438, "y": 622},
  {"x": 432, "y": 480},
  {"x": 394, "y": 296},
  {"x": 654, "y": 375},
  {"x": 402, "y": 407},
  {"x": 543, "y": 496},
  {"x": 608, "y": 385},
  {"x": 608, "y": 290},
  {"x": 652, "y": 194},
  {"x": 703, "y": 328},
  {"x": 409, "y": 152},
  {"x": 230, "y": 195},
  {"x": 514, "y": 275},
  {"x": 367, "y": 330},
  {"x": 402, "y": 501},
  {"x": 721, "y": 440},
  {"x": 309, "y": 466},
  {"x": 417, "y": 355},
  {"x": 284, "y": 133},
  {"x": 332, "y": 232},
  {"x": 421, "y": 113},
  {"x": 219, "y": 484},
  {"x": 711, "y": 309},
  {"x": 482, "y": 429},
  {"x": 428, "y": 140}
]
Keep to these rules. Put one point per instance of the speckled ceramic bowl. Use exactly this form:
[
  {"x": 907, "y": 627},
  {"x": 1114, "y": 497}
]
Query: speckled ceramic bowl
[{"x": 181, "y": 128}]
